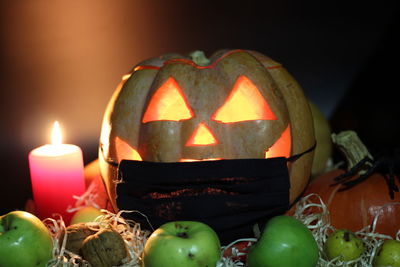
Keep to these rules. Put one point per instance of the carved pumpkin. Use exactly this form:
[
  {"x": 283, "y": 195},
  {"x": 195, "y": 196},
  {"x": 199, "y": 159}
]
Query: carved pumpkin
[
  {"x": 237, "y": 105},
  {"x": 356, "y": 207}
]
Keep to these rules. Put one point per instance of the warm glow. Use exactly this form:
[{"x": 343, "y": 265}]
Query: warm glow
[
  {"x": 194, "y": 160},
  {"x": 244, "y": 103},
  {"x": 168, "y": 103},
  {"x": 57, "y": 175},
  {"x": 282, "y": 147},
  {"x": 125, "y": 151},
  {"x": 126, "y": 76},
  {"x": 56, "y": 138},
  {"x": 202, "y": 136}
]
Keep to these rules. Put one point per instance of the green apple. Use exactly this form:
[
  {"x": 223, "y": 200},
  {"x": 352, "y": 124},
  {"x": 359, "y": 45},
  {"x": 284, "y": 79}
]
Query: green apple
[
  {"x": 344, "y": 244},
  {"x": 182, "y": 244},
  {"x": 284, "y": 241},
  {"x": 24, "y": 240},
  {"x": 86, "y": 214},
  {"x": 388, "y": 254}
]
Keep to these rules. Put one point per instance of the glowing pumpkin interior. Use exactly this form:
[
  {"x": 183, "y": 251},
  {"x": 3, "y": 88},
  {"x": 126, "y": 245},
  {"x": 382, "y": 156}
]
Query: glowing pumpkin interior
[
  {"x": 245, "y": 95},
  {"x": 244, "y": 103},
  {"x": 168, "y": 104},
  {"x": 202, "y": 136}
]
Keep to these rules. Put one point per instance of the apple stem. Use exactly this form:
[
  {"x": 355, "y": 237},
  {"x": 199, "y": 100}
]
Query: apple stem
[
  {"x": 182, "y": 235},
  {"x": 346, "y": 236},
  {"x": 353, "y": 149}
]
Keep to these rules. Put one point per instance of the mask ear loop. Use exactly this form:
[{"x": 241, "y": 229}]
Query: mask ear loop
[
  {"x": 116, "y": 164},
  {"x": 294, "y": 158},
  {"x": 109, "y": 161},
  {"x": 297, "y": 156}
]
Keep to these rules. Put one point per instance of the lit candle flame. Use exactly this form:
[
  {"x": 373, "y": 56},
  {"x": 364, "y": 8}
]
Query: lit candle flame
[{"x": 56, "y": 138}]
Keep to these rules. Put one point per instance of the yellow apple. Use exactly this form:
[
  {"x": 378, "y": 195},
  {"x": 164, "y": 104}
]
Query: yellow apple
[
  {"x": 388, "y": 254},
  {"x": 344, "y": 244}
]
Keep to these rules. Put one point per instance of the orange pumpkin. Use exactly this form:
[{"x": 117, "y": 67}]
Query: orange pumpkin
[
  {"x": 94, "y": 182},
  {"x": 238, "y": 104},
  {"x": 356, "y": 207}
]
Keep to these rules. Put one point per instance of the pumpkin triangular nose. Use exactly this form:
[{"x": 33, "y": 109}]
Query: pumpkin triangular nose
[{"x": 202, "y": 136}]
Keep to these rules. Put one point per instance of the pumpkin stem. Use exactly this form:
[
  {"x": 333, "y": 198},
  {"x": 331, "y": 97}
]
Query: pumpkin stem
[
  {"x": 353, "y": 149},
  {"x": 199, "y": 58}
]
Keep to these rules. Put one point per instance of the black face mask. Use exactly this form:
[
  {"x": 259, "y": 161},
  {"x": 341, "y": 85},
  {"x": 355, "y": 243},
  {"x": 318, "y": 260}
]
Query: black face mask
[{"x": 228, "y": 195}]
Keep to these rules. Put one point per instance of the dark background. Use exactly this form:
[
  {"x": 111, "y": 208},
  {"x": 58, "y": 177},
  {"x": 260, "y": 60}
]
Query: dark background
[{"x": 61, "y": 60}]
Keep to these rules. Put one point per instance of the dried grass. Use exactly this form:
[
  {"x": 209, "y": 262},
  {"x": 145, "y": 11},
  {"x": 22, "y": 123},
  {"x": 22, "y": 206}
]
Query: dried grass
[
  {"x": 318, "y": 222},
  {"x": 310, "y": 210},
  {"x": 135, "y": 238}
]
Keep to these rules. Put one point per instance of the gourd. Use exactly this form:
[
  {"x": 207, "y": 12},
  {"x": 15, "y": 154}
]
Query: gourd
[{"x": 356, "y": 207}]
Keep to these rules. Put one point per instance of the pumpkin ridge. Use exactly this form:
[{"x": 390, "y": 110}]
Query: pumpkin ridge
[
  {"x": 145, "y": 67},
  {"x": 274, "y": 67},
  {"x": 192, "y": 63},
  {"x": 210, "y": 66},
  {"x": 150, "y": 67}
]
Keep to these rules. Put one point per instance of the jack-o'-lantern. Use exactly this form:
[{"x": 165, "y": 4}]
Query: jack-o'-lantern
[{"x": 237, "y": 105}]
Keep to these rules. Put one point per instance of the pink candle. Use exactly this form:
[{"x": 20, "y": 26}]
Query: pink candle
[{"x": 57, "y": 175}]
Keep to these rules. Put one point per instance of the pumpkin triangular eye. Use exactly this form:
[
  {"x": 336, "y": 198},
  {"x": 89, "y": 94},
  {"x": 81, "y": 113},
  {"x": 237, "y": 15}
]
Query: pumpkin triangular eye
[
  {"x": 244, "y": 103},
  {"x": 168, "y": 104}
]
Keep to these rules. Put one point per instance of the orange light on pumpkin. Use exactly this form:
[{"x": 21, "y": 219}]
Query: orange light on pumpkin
[
  {"x": 125, "y": 151},
  {"x": 168, "y": 104},
  {"x": 126, "y": 76},
  {"x": 202, "y": 136},
  {"x": 244, "y": 103},
  {"x": 282, "y": 147}
]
